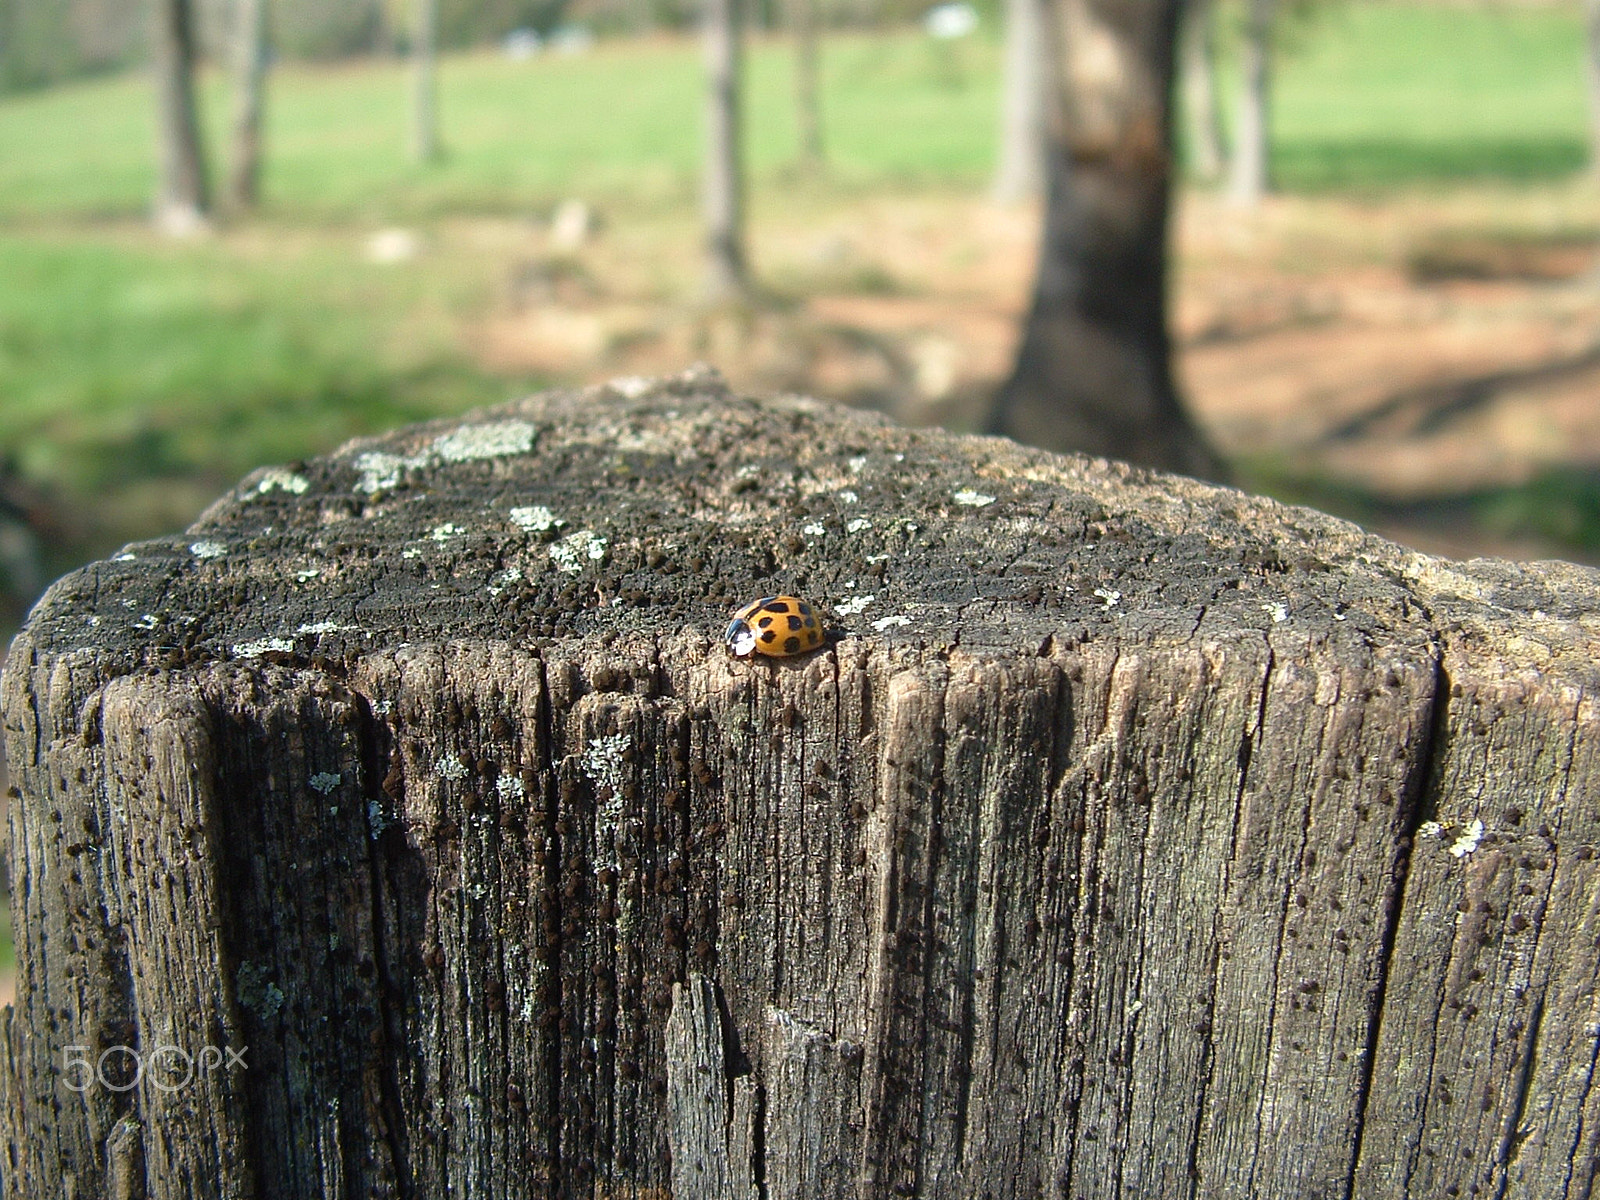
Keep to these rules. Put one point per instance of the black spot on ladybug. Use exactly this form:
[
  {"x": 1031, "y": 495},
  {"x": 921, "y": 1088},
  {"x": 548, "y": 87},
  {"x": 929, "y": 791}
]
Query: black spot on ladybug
[
  {"x": 791, "y": 645},
  {"x": 764, "y": 622},
  {"x": 771, "y": 636},
  {"x": 796, "y": 623}
]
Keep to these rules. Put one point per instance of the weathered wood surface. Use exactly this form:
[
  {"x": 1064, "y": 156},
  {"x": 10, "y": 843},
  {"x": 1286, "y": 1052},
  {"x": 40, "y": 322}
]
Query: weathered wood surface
[{"x": 1134, "y": 838}]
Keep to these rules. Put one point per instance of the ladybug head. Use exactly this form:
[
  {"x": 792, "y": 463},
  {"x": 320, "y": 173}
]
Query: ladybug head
[{"x": 740, "y": 638}]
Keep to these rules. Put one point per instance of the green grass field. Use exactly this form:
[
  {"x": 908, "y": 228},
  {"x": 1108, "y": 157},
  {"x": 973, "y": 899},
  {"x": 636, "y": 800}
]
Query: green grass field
[
  {"x": 622, "y": 123},
  {"x": 1379, "y": 95},
  {"x": 1372, "y": 94},
  {"x": 139, "y": 376}
]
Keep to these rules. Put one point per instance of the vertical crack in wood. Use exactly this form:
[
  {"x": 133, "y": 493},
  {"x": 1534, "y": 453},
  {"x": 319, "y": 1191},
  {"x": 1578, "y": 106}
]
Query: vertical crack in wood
[
  {"x": 934, "y": 846},
  {"x": 879, "y": 985},
  {"x": 11, "y": 1110},
  {"x": 386, "y": 959},
  {"x": 1247, "y": 740},
  {"x": 1302, "y": 833},
  {"x": 897, "y": 1034},
  {"x": 1127, "y": 1040},
  {"x": 1280, "y": 937},
  {"x": 747, "y": 1167},
  {"x": 1575, "y": 1147},
  {"x": 1514, "y": 1133},
  {"x": 565, "y": 838},
  {"x": 1542, "y": 979},
  {"x": 1108, "y": 988},
  {"x": 1413, "y": 801},
  {"x": 1069, "y": 831},
  {"x": 552, "y": 785},
  {"x": 1082, "y": 915}
]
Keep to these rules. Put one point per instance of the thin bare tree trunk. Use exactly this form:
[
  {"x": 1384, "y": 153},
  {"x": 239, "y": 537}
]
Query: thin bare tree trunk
[
  {"x": 383, "y": 31},
  {"x": 244, "y": 180},
  {"x": 424, "y": 84},
  {"x": 808, "y": 111},
  {"x": 1201, "y": 108},
  {"x": 1248, "y": 176},
  {"x": 1019, "y": 174},
  {"x": 181, "y": 199},
  {"x": 726, "y": 274},
  {"x": 1093, "y": 370},
  {"x": 8, "y": 25},
  {"x": 1592, "y": 59}
]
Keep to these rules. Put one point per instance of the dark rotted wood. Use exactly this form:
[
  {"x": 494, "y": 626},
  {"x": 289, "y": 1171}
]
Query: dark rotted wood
[{"x": 1131, "y": 837}]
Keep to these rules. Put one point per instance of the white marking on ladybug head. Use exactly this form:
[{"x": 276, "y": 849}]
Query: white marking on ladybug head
[{"x": 741, "y": 638}]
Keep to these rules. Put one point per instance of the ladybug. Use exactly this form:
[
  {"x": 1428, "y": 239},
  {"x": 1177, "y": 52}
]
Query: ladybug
[{"x": 775, "y": 625}]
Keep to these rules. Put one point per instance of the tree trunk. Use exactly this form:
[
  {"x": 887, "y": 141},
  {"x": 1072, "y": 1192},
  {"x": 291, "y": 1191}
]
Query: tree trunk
[
  {"x": 726, "y": 275},
  {"x": 181, "y": 203},
  {"x": 1248, "y": 174},
  {"x": 808, "y": 112},
  {"x": 249, "y": 65},
  {"x": 1592, "y": 63},
  {"x": 1019, "y": 174},
  {"x": 384, "y": 40},
  {"x": 1200, "y": 90},
  {"x": 425, "y": 146},
  {"x": 8, "y": 28},
  {"x": 1093, "y": 371},
  {"x": 404, "y": 829}
]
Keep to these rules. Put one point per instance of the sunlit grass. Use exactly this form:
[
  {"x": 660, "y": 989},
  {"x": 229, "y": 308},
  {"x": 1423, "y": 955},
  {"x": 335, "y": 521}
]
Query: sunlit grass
[
  {"x": 623, "y": 123},
  {"x": 1365, "y": 95},
  {"x": 1382, "y": 94}
]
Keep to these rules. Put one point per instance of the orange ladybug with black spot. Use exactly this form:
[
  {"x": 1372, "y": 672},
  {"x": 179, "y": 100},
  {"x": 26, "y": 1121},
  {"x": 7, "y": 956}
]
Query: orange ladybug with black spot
[{"x": 774, "y": 625}]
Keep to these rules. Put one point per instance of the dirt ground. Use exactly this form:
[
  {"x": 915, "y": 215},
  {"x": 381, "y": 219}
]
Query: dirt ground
[{"x": 1395, "y": 360}]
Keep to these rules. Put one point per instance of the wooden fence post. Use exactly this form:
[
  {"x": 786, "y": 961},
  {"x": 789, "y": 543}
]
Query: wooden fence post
[{"x": 405, "y": 829}]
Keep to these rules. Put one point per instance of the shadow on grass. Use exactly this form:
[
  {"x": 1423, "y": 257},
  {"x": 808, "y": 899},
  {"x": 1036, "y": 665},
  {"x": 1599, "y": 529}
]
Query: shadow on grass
[
  {"x": 1558, "y": 508},
  {"x": 1359, "y": 163},
  {"x": 1432, "y": 408}
]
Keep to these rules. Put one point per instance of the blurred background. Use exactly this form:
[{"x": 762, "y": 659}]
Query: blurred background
[{"x": 1386, "y": 305}]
